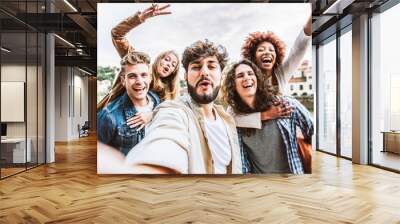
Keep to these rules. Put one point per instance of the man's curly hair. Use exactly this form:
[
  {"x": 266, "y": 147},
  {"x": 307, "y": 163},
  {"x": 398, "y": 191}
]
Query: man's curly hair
[
  {"x": 250, "y": 45},
  {"x": 200, "y": 49}
]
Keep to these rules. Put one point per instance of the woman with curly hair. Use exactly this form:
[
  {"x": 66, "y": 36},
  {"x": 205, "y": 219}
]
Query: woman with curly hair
[
  {"x": 267, "y": 51},
  {"x": 164, "y": 70},
  {"x": 273, "y": 148}
]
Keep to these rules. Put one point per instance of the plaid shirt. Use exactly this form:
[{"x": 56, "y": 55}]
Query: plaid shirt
[{"x": 301, "y": 118}]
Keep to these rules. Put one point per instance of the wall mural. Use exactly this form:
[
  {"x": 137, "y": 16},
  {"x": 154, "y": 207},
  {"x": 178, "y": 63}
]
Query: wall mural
[{"x": 204, "y": 88}]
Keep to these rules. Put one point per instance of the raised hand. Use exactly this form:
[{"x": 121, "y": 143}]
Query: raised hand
[{"x": 154, "y": 10}]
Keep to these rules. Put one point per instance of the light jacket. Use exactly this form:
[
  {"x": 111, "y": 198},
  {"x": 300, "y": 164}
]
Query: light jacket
[
  {"x": 118, "y": 34},
  {"x": 176, "y": 140}
]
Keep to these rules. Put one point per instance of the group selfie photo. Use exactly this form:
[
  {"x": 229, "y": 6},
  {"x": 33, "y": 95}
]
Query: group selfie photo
[{"x": 204, "y": 88}]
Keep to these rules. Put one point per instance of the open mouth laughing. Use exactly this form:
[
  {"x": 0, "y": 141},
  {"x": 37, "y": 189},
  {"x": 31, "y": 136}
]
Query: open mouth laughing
[
  {"x": 139, "y": 89},
  {"x": 267, "y": 60},
  {"x": 248, "y": 85}
]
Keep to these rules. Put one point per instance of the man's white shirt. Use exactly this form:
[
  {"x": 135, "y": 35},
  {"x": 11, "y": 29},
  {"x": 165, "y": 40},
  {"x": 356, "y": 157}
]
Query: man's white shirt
[{"x": 218, "y": 142}]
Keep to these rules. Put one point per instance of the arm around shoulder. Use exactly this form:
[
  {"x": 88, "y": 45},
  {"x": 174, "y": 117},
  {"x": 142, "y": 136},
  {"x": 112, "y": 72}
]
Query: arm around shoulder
[{"x": 252, "y": 120}]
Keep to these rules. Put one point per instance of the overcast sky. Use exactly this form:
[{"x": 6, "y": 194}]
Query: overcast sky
[{"x": 223, "y": 23}]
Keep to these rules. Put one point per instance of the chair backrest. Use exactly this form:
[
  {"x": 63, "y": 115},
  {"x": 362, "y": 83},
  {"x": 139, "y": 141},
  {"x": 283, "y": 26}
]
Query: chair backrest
[{"x": 86, "y": 125}]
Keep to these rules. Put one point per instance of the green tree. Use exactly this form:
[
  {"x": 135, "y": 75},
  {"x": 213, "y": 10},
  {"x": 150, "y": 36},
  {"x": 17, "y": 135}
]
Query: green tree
[{"x": 106, "y": 73}]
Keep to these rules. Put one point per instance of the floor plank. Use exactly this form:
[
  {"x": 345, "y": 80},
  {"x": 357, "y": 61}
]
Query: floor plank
[{"x": 70, "y": 191}]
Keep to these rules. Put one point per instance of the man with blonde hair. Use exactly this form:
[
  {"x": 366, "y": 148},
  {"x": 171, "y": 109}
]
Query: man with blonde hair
[{"x": 129, "y": 96}]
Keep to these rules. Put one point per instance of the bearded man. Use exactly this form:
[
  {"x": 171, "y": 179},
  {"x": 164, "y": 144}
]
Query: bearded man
[{"x": 191, "y": 135}]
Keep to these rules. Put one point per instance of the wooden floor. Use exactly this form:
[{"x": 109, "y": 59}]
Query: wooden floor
[
  {"x": 70, "y": 191},
  {"x": 10, "y": 171},
  {"x": 387, "y": 159}
]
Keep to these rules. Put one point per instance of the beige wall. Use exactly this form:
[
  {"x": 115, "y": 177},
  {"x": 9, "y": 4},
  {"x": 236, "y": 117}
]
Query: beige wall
[
  {"x": 17, "y": 73},
  {"x": 92, "y": 110},
  {"x": 71, "y": 102},
  {"x": 34, "y": 124}
]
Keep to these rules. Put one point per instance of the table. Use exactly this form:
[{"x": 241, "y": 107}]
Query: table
[
  {"x": 391, "y": 141},
  {"x": 15, "y": 148}
]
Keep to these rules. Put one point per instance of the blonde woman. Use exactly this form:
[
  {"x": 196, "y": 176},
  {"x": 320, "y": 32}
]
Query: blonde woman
[{"x": 164, "y": 70}]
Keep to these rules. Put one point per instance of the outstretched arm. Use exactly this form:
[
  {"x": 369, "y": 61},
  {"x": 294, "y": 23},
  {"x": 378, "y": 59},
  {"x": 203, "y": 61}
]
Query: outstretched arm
[
  {"x": 308, "y": 27},
  {"x": 118, "y": 33},
  {"x": 297, "y": 53},
  {"x": 166, "y": 143}
]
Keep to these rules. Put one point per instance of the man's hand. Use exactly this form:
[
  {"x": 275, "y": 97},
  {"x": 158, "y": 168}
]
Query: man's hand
[
  {"x": 280, "y": 109},
  {"x": 140, "y": 119},
  {"x": 154, "y": 10}
]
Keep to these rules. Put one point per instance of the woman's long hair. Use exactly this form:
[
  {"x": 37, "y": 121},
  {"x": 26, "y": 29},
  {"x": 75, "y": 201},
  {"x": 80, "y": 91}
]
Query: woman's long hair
[
  {"x": 264, "y": 93},
  {"x": 116, "y": 90},
  {"x": 166, "y": 88}
]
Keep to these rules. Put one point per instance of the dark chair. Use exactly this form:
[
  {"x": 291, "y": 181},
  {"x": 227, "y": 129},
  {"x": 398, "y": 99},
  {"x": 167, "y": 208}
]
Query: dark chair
[{"x": 84, "y": 130}]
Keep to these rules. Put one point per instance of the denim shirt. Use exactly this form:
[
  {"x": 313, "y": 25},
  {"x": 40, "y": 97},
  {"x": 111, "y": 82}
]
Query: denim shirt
[
  {"x": 111, "y": 123},
  {"x": 301, "y": 118}
]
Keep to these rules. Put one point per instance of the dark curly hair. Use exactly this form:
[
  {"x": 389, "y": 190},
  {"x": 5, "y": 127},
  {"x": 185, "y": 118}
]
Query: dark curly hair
[
  {"x": 264, "y": 93},
  {"x": 254, "y": 39},
  {"x": 201, "y": 49}
]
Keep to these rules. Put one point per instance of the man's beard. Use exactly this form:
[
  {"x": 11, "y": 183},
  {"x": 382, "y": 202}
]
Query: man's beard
[{"x": 202, "y": 99}]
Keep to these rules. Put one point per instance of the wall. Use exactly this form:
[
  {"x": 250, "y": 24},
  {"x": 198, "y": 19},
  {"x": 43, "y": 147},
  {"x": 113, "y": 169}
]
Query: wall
[
  {"x": 33, "y": 127},
  {"x": 17, "y": 73},
  {"x": 71, "y": 102},
  {"x": 61, "y": 103},
  {"x": 92, "y": 108},
  {"x": 12, "y": 73}
]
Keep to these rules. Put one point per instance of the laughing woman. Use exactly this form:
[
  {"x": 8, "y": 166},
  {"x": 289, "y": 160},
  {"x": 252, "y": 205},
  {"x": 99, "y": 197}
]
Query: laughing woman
[
  {"x": 268, "y": 52},
  {"x": 273, "y": 148},
  {"x": 164, "y": 70}
]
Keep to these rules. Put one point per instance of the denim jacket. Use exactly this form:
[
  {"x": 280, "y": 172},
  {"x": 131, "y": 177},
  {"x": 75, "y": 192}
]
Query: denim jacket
[{"x": 111, "y": 123}]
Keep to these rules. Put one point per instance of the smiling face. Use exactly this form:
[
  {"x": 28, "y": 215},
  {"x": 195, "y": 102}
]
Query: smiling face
[
  {"x": 204, "y": 79},
  {"x": 265, "y": 56},
  {"x": 167, "y": 65},
  {"x": 245, "y": 82},
  {"x": 136, "y": 81}
]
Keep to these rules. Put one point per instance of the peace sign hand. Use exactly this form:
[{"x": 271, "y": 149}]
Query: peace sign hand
[{"x": 154, "y": 10}]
